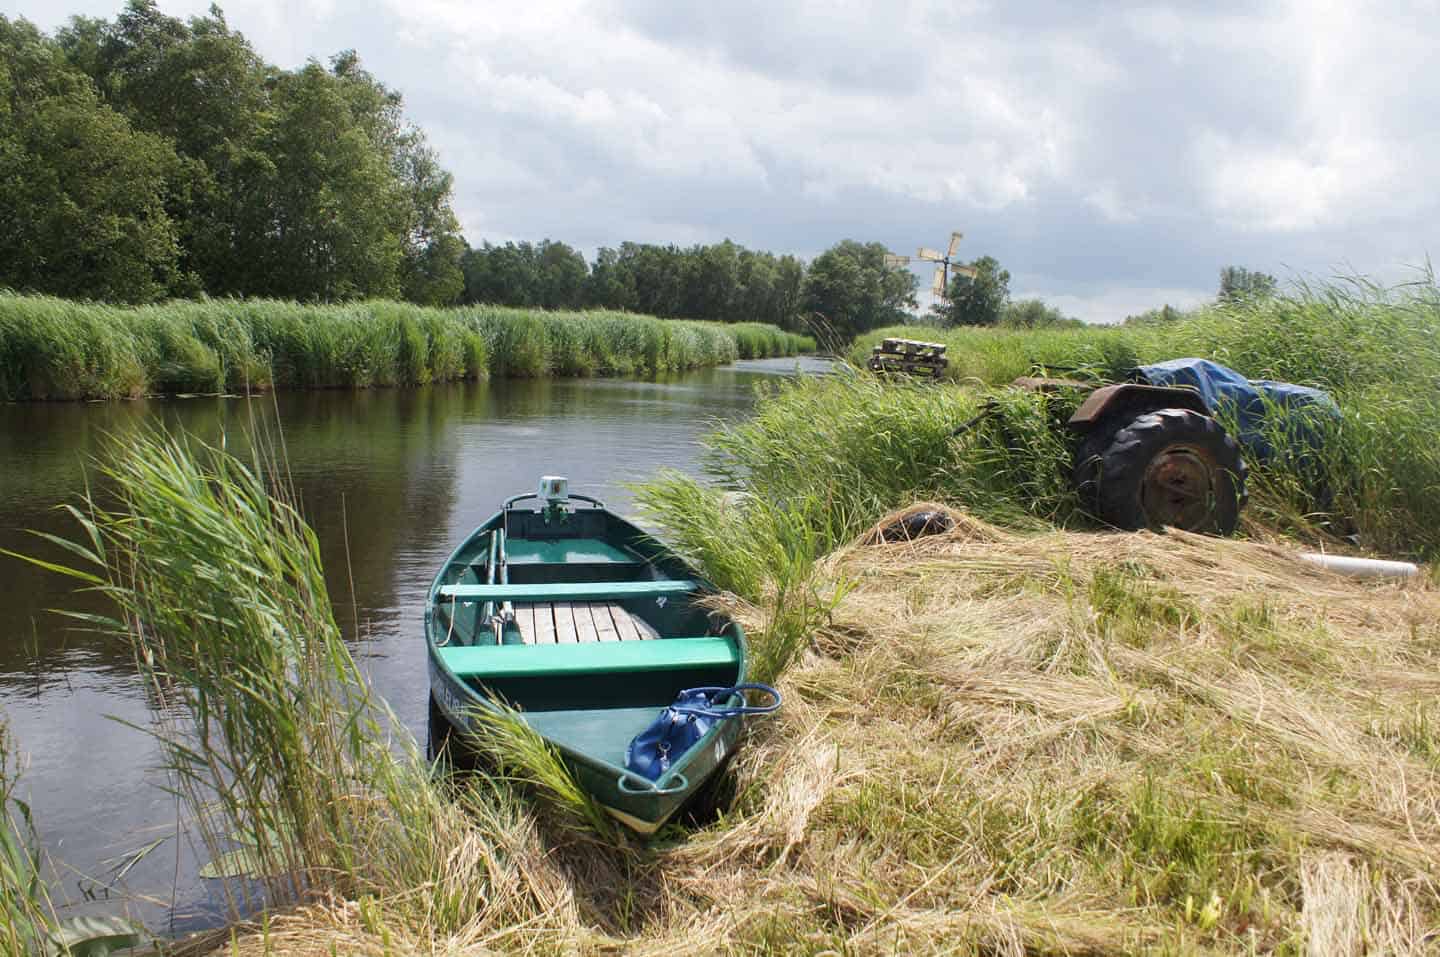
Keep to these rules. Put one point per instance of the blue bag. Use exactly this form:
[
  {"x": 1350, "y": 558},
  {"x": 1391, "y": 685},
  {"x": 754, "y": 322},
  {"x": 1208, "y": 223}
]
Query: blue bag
[{"x": 679, "y": 726}]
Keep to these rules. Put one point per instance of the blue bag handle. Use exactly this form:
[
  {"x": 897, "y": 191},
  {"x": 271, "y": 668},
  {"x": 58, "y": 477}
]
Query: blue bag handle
[
  {"x": 677, "y": 785},
  {"x": 712, "y": 711}
]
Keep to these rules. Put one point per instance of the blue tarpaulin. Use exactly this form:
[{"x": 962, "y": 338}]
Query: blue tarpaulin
[{"x": 1259, "y": 408}]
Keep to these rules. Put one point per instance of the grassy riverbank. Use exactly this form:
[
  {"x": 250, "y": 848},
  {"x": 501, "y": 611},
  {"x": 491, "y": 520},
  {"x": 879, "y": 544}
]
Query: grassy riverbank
[
  {"x": 1025, "y": 735},
  {"x": 1376, "y": 350},
  {"x": 58, "y": 349}
]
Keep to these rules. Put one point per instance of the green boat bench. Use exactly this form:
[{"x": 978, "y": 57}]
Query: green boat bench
[
  {"x": 568, "y": 591},
  {"x": 620, "y": 657},
  {"x": 566, "y": 551}
]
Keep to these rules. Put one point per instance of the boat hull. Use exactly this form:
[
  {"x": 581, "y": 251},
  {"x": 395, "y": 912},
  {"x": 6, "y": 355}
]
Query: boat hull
[
  {"x": 637, "y": 634},
  {"x": 640, "y": 810}
]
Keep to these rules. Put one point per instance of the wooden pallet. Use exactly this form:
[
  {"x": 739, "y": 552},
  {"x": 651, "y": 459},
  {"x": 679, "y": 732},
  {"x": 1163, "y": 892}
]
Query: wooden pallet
[
  {"x": 564, "y": 622},
  {"x": 910, "y": 357}
]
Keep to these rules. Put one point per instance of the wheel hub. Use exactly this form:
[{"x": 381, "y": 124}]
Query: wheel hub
[{"x": 1179, "y": 489}]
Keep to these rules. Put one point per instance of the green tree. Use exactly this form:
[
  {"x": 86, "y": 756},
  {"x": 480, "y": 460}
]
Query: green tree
[
  {"x": 334, "y": 201},
  {"x": 1166, "y": 313},
  {"x": 308, "y": 183},
  {"x": 712, "y": 282},
  {"x": 788, "y": 293},
  {"x": 562, "y": 274},
  {"x": 202, "y": 87},
  {"x": 431, "y": 273},
  {"x": 659, "y": 276},
  {"x": 429, "y": 232},
  {"x": 612, "y": 283},
  {"x": 501, "y": 275},
  {"x": 850, "y": 285},
  {"x": 1034, "y": 314},
  {"x": 1237, "y": 283},
  {"x": 978, "y": 301},
  {"x": 82, "y": 193}
]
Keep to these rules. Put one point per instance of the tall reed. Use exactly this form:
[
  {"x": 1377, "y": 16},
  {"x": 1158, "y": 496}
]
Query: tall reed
[
  {"x": 1376, "y": 349},
  {"x": 762, "y": 549},
  {"x": 273, "y": 737},
  {"x": 25, "y": 913},
  {"x": 57, "y": 349}
]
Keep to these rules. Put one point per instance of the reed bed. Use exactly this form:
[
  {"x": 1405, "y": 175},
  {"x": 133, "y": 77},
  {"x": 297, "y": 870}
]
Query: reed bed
[
  {"x": 1341, "y": 336},
  {"x": 1376, "y": 471},
  {"x": 59, "y": 349},
  {"x": 270, "y": 735}
]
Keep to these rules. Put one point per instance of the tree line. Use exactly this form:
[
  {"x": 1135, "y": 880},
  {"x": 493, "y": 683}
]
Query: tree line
[
  {"x": 722, "y": 281},
  {"x": 1238, "y": 285},
  {"x": 147, "y": 157}
]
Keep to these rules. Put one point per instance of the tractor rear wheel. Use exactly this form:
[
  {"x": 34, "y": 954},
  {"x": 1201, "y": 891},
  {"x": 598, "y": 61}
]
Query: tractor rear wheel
[{"x": 1169, "y": 467}]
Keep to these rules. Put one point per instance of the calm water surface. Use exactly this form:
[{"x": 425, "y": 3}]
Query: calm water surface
[{"x": 410, "y": 471}]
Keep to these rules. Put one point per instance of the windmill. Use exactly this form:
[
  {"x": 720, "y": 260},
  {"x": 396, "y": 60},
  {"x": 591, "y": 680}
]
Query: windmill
[{"x": 944, "y": 263}]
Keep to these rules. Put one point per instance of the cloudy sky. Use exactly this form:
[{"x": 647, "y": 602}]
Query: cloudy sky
[{"x": 1113, "y": 158}]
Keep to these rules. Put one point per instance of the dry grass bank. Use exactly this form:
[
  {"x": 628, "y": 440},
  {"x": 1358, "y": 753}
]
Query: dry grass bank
[{"x": 1039, "y": 743}]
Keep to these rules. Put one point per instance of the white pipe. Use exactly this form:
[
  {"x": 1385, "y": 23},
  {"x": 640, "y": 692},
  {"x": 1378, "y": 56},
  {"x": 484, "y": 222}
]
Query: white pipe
[{"x": 1361, "y": 567}]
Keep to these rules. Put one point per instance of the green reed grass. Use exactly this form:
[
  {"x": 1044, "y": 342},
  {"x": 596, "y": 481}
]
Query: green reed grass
[
  {"x": 271, "y": 737},
  {"x": 822, "y": 458},
  {"x": 763, "y": 550},
  {"x": 57, "y": 349},
  {"x": 1376, "y": 349},
  {"x": 25, "y": 912},
  {"x": 220, "y": 590},
  {"x": 522, "y": 757}
]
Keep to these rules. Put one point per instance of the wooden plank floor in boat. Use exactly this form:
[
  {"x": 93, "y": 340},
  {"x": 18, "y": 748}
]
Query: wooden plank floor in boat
[{"x": 560, "y": 622}]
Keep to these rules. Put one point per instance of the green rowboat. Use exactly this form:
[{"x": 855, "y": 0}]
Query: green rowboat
[{"x": 589, "y": 627}]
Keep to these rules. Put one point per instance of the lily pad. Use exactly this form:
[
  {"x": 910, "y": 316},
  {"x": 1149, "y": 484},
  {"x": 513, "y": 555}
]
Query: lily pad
[{"x": 93, "y": 936}]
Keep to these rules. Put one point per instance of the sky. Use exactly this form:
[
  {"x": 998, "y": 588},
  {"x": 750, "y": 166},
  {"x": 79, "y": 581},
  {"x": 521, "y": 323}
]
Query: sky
[{"x": 1114, "y": 158}]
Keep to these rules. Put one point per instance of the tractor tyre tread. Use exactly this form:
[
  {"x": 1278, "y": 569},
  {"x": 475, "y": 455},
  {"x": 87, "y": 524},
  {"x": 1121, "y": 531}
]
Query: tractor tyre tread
[{"x": 1110, "y": 467}]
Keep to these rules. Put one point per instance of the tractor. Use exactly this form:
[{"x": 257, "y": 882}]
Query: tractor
[
  {"x": 1149, "y": 451},
  {"x": 1153, "y": 455}
]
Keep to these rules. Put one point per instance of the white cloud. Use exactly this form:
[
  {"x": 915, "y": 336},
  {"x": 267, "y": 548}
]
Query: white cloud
[
  {"x": 1294, "y": 187},
  {"x": 1115, "y": 156}
]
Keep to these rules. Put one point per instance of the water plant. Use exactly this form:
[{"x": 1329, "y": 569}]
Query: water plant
[{"x": 285, "y": 761}]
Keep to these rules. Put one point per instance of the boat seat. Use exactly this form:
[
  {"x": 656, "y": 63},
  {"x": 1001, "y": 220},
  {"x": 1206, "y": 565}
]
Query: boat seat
[
  {"x": 565, "y": 551},
  {"x": 613, "y": 657},
  {"x": 569, "y": 591}
]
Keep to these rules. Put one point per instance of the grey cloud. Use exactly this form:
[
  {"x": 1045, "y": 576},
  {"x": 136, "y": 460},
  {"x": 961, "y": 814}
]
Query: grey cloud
[{"x": 1089, "y": 148}]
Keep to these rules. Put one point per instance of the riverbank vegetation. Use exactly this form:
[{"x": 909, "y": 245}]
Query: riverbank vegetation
[
  {"x": 1023, "y": 735},
  {"x": 1376, "y": 350},
  {"x": 147, "y": 158},
  {"x": 1030, "y": 735},
  {"x": 56, "y": 349},
  {"x": 1011, "y": 741}
]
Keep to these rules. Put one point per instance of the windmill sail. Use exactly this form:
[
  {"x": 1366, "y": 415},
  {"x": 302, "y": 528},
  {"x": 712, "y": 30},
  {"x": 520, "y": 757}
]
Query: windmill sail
[
  {"x": 969, "y": 272},
  {"x": 893, "y": 260},
  {"x": 954, "y": 244},
  {"x": 929, "y": 254},
  {"x": 937, "y": 286}
]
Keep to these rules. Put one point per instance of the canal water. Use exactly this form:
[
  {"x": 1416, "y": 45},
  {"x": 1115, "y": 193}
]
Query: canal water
[{"x": 407, "y": 473}]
